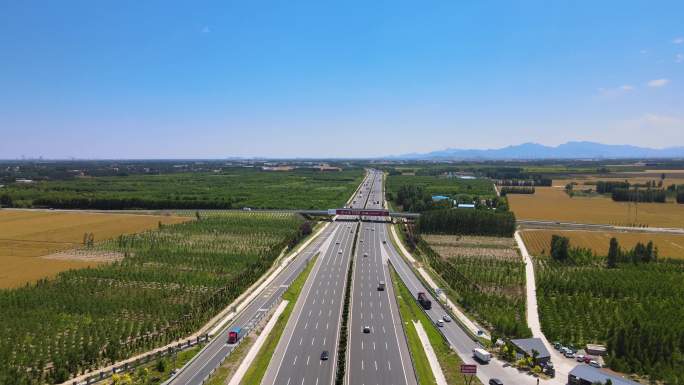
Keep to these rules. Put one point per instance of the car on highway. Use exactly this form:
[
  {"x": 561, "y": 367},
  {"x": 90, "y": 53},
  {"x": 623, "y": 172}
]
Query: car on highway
[
  {"x": 446, "y": 318},
  {"x": 324, "y": 355},
  {"x": 339, "y": 252},
  {"x": 381, "y": 286},
  {"x": 440, "y": 323},
  {"x": 366, "y": 329},
  {"x": 495, "y": 381},
  {"x": 337, "y": 243},
  {"x": 384, "y": 241}
]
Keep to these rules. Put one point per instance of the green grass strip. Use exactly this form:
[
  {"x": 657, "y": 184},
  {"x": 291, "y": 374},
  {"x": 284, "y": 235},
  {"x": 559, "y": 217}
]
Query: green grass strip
[{"x": 448, "y": 359}]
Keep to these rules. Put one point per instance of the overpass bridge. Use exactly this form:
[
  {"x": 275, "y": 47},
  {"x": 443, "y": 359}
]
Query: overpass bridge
[{"x": 359, "y": 213}]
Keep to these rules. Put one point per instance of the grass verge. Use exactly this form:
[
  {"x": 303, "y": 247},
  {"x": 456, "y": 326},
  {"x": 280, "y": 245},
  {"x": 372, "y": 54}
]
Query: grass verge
[
  {"x": 225, "y": 371},
  {"x": 448, "y": 359},
  {"x": 154, "y": 372},
  {"x": 256, "y": 371}
]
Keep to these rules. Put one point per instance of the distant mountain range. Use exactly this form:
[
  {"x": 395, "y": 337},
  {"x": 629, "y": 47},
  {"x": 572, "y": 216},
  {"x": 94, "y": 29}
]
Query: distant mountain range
[{"x": 569, "y": 150}]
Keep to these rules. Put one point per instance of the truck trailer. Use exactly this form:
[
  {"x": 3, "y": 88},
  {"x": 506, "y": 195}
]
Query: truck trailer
[
  {"x": 482, "y": 355},
  {"x": 424, "y": 301}
]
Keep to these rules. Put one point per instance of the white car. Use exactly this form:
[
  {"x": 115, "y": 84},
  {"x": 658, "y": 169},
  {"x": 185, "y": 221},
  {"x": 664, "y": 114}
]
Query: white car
[
  {"x": 446, "y": 318},
  {"x": 440, "y": 323},
  {"x": 594, "y": 364}
]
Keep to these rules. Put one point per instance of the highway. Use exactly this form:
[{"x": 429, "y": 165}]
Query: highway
[
  {"x": 210, "y": 358},
  {"x": 314, "y": 324},
  {"x": 459, "y": 340},
  {"x": 212, "y": 355},
  {"x": 380, "y": 356},
  {"x": 554, "y": 225}
]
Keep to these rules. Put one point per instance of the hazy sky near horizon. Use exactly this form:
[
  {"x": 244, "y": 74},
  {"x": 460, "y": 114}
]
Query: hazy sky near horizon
[{"x": 211, "y": 79}]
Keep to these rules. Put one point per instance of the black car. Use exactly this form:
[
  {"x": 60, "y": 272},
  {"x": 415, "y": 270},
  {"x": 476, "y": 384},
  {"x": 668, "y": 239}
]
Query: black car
[
  {"x": 324, "y": 355},
  {"x": 495, "y": 381}
]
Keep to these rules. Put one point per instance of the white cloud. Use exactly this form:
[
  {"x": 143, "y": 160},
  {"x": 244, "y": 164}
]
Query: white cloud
[
  {"x": 679, "y": 58},
  {"x": 616, "y": 91},
  {"x": 658, "y": 82},
  {"x": 660, "y": 120},
  {"x": 206, "y": 29},
  {"x": 678, "y": 40}
]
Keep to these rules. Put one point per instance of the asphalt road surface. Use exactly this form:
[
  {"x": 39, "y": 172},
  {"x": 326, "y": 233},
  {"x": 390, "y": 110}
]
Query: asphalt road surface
[
  {"x": 213, "y": 354},
  {"x": 314, "y": 324}
]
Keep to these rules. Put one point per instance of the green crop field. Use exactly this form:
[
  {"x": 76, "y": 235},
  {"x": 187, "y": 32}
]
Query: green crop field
[
  {"x": 170, "y": 282},
  {"x": 441, "y": 185},
  {"x": 230, "y": 188},
  {"x": 636, "y": 309},
  {"x": 485, "y": 276}
]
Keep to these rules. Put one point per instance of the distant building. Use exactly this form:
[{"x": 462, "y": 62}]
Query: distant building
[
  {"x": 584, "y": 374},
  {"x": 466, "y": 205},
  {"x": 327, "y": 167},
  {"x": 437, "y": 198},
  {"x": 529, "y": 345},
  {"x": 277, "y": 168}
]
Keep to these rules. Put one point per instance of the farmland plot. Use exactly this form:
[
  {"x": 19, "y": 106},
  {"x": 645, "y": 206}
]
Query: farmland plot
[
  {"x": 170, "y": 282},
  {"x": 553, "y": 204},
  {"x": 637, "y": 310},
  {"x": 538, "y": 242},
  {"x": 485, "y": 275},
  {"x": 27, "y": 236},
  {"x": 231, "y": 188}
]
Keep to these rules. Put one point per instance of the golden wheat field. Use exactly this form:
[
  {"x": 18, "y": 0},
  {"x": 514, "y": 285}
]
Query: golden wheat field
[
  {"x": 671, "y": 177},
  {"x": 553, "y": 204},
  {"x": 26, "y": 236},
  {"x": 538, "y": 242}
]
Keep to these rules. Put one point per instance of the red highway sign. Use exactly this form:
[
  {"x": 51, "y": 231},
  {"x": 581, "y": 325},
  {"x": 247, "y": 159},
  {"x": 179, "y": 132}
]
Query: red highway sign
[
  {"x": 364, "y": 212},
  {"x": 468, "y": 369}
]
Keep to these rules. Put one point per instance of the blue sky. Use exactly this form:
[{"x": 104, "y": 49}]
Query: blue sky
[{"x": 160, "y": 79}]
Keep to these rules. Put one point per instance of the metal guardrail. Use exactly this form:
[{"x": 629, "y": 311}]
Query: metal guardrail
[{"x": 129, "y": 366}]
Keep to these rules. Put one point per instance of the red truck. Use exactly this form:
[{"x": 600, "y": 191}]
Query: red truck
[
  {"x": 234, "y": 335},
  {"x": 424, "y": 301}
]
